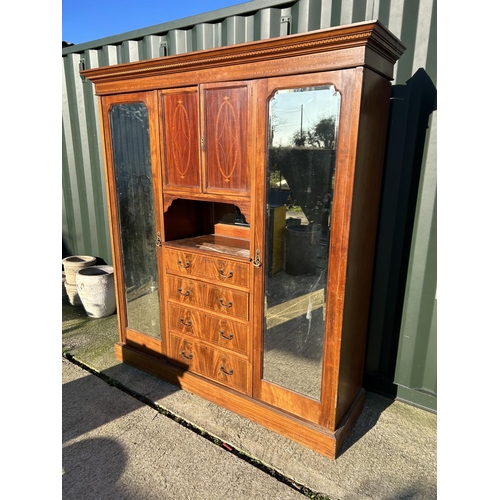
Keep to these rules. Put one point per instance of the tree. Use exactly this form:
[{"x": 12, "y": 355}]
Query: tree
[
  {"x": 299, "y": 139},
  {"x": 320, "y": 135}
]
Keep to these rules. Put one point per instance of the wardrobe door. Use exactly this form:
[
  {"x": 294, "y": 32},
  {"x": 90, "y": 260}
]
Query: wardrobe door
[
  {"x": 130, "y": 128},
  {"x": 226, "y": 135},
  {"x": 180, "y": 139},
  {"x": 302, "y": 121}
]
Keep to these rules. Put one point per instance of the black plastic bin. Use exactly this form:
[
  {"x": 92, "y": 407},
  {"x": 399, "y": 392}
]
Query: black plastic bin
[{"x": 302, "y": 245}]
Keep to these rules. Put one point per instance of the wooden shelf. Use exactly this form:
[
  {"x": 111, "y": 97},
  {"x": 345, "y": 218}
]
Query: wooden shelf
[{"x": 214, "y": 244}]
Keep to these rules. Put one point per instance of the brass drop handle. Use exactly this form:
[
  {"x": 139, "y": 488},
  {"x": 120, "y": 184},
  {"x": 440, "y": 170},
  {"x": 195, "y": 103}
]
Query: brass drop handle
[
  {"x": 227, "y": 337},
  {"x": 186, "y": 323},
  {"x": 186, "y": 293},
  {"x": 187, "y": 356},
  {"x": 186, "y": 265},
  {"x": 223, "y": 370},
  {"x": 228, "y": 305},
  {"x": 221, "y": 272}
]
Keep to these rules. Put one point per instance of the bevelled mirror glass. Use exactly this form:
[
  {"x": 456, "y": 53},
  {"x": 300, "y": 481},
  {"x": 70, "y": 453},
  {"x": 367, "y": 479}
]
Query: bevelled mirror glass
[
  {"x": 136, "y": 215},
  {"x": 303, "y": 125}
]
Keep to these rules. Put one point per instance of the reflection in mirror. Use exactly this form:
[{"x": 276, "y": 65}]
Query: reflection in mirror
[
  {"x": 134, "y": 190},
  {"x": 303, "y": 125}
]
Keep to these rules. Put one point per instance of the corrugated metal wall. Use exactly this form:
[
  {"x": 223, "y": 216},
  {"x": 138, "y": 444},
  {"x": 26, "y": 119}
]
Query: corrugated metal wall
[{"x": 402, "y": 364}]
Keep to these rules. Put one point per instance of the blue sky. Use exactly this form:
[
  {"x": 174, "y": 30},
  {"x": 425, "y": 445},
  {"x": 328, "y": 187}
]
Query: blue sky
[{"x": 85, "y": 21}]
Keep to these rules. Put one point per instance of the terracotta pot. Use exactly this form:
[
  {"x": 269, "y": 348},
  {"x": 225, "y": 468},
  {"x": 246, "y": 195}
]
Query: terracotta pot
[{"x": 96, "y": 289}]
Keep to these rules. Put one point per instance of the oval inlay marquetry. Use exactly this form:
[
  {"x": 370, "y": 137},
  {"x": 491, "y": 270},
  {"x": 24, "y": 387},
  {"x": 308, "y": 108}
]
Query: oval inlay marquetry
[
  {"x": 181, "y": 143},
  {"x": 226, "y": 150}
]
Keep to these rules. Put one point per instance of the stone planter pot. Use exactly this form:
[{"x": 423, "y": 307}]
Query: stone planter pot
[
  {"x": 72, "y": 294},
  {"x": 64, "y": 293},
  {"x": 96, "y": 289},
  {"x": 72, "y": 265}
]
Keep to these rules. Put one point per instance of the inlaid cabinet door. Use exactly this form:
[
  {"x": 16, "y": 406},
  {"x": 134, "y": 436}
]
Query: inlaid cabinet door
[
  {"x": 225, "y": 137},
  {"x": 180, "y": 139}
]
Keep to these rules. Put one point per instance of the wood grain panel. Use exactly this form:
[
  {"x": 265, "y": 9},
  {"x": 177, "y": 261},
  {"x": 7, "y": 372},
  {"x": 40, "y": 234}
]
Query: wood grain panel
[
  {"x": 217, "y": 365},
  {"x": 222, "y": 332},
  {"x": 362, "y": 234},
  {"x": 180, "y": 139},
  {"x": 226, "y": 271},
  {"x": 225, "y": 137},
  {"x": 221, "y": 300}
]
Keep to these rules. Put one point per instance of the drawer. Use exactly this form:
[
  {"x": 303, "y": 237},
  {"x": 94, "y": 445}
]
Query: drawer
[
  {"x": 209, "y": 362},
  {"x": 219, "y": 299},
  {"x": 222, "y": 332},
  {"x": 226, "y": 271}
]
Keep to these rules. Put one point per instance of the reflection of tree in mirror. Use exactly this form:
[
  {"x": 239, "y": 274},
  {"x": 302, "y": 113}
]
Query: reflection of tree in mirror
[
  {"x": 320, "y": 135},
  {"x": 303, "y": 128}
]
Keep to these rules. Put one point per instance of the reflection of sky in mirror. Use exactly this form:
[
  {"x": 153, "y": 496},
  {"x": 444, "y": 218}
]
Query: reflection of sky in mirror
[{"x": 292, "y": 109}]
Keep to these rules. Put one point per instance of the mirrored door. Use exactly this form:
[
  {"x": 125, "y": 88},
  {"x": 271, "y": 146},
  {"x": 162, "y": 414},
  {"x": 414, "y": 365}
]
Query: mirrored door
[
  {"x": 303, "y": 122},
  {"x": 303, "y": 125},
  {"x": 136, "y": 234}
]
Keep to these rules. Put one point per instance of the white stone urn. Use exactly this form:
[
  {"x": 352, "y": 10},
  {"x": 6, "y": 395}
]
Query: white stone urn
[
  {"x": 72, "y": 265},
  {"x": 96, "y": 289}
]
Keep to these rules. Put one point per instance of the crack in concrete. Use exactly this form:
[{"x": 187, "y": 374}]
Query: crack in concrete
[{"x": 229, "y": 448}]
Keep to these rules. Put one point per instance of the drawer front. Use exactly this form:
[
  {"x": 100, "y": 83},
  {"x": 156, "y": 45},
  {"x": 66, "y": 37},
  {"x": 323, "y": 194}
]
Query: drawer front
[
  {"x": 217, "y": 299},
  {"x": 182, "y": 263},
  {"x": 225, "y": 271},
  {"x": 204, "y": 360},
  {"x": 223, "y": 332}
]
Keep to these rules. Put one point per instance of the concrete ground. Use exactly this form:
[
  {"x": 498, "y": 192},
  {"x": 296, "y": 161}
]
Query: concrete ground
[{"x": 129, "y": 435}]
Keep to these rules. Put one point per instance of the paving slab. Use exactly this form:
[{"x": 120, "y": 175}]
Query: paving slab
[
  {"x": 116, "y": 447},
  {"x": 390, "y": 454}
]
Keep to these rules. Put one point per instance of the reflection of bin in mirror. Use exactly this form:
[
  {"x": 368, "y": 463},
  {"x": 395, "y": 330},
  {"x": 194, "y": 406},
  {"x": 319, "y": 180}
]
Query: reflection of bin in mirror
[{"x": 302, "y": 245}]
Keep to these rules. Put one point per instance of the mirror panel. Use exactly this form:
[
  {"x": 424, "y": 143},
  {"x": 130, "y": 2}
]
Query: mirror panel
[
  {"x": 303, "y": 126},
  {"x": 136, "y": 215}
]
